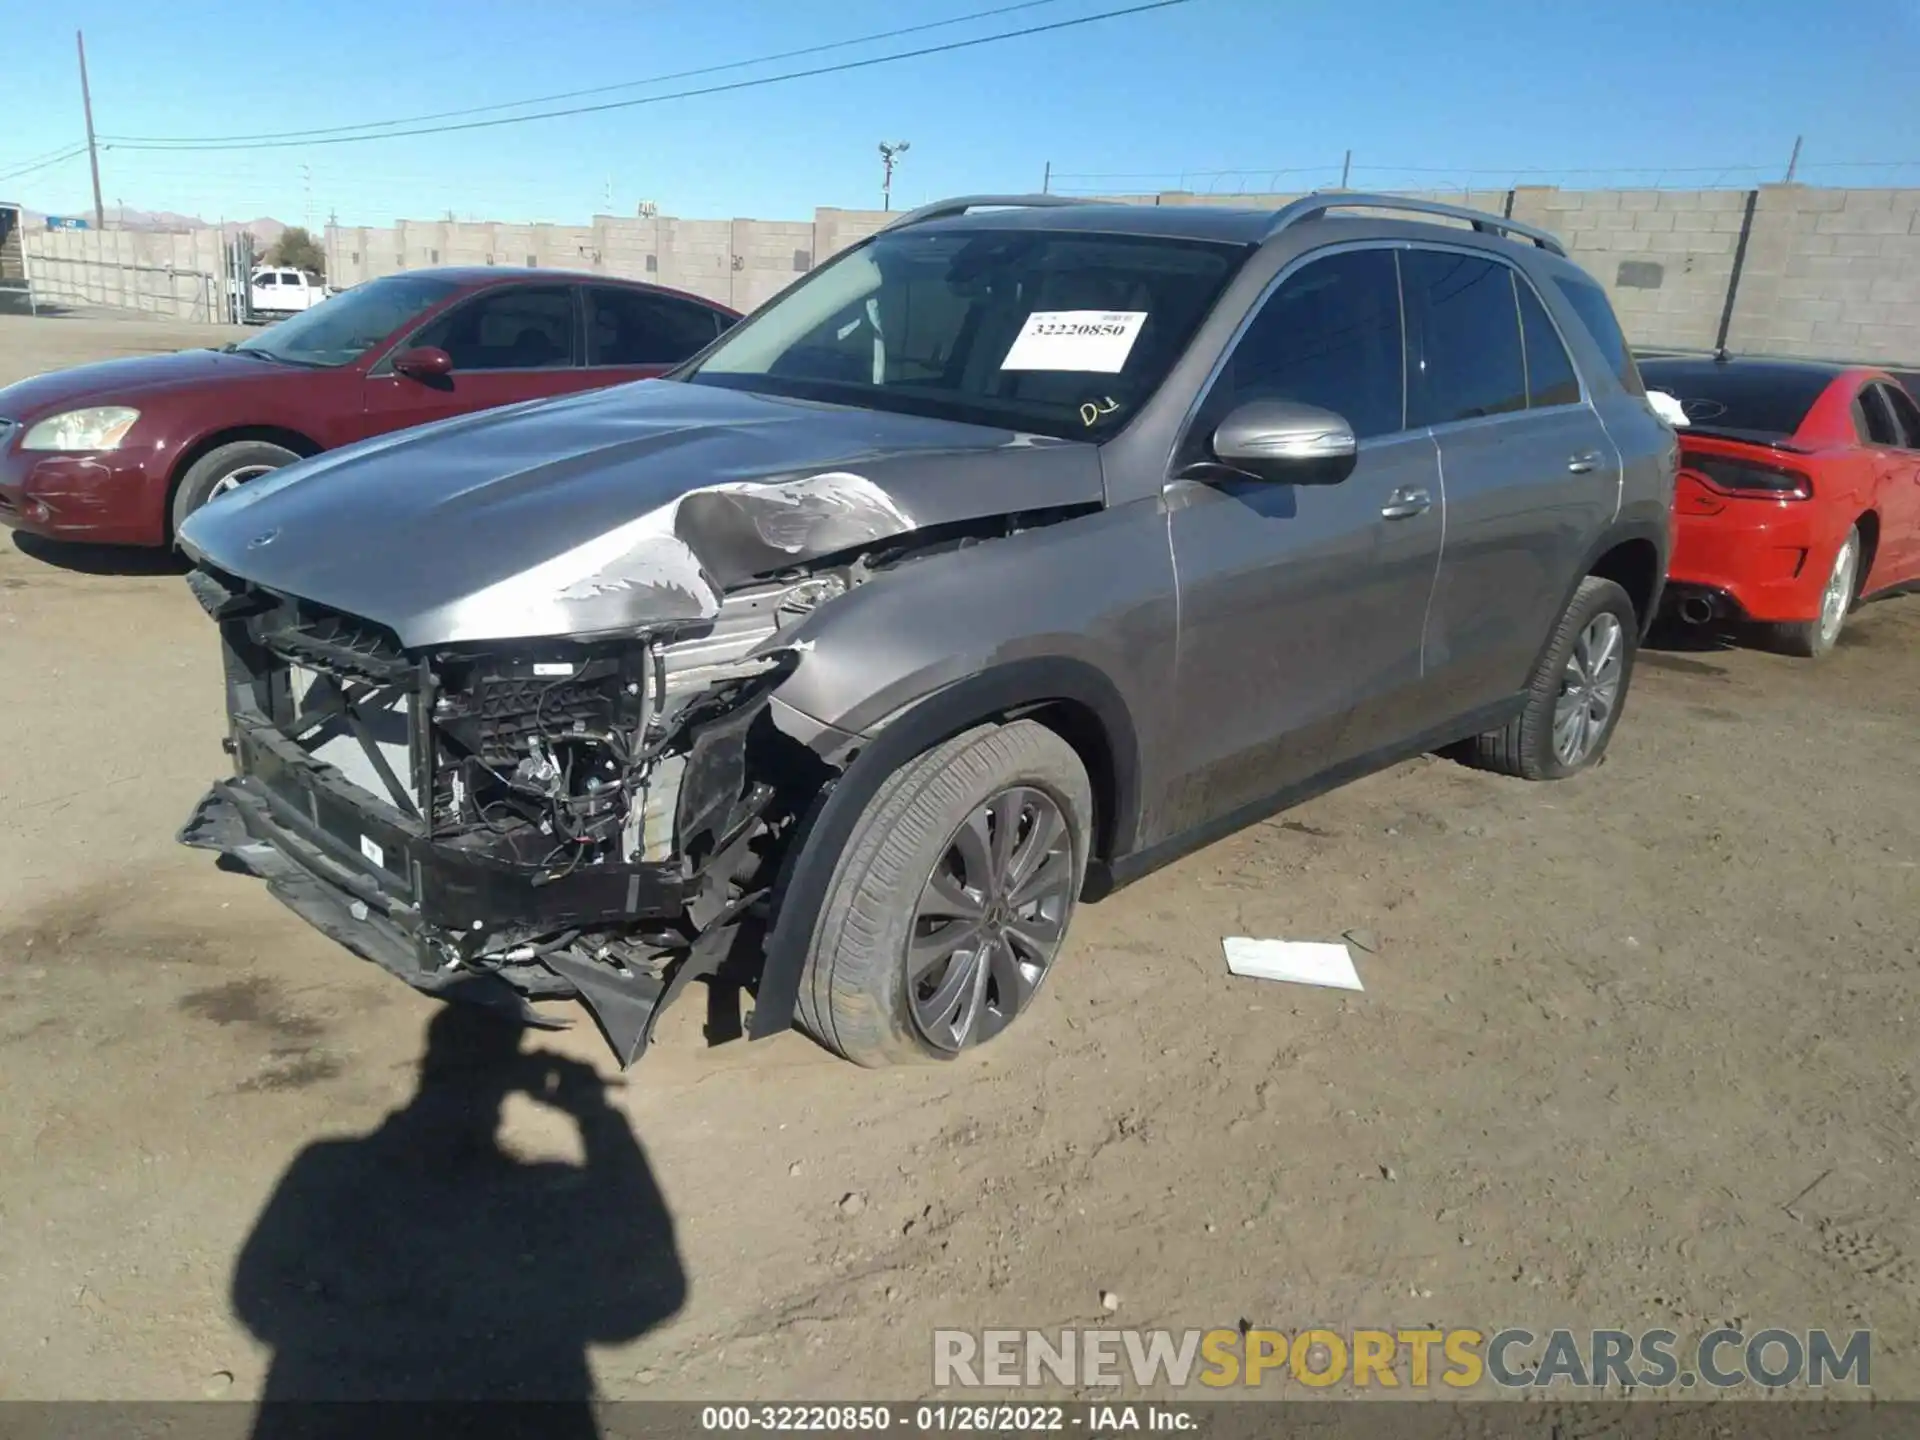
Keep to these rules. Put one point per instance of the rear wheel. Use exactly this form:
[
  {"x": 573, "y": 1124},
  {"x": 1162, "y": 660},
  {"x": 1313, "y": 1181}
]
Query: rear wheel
[
  {"x": 224, "y": 468},
  {"x": 1811, "y": 639},
  {"x": 951, "y": 899},
  {"x": 1576, "y": 694}
]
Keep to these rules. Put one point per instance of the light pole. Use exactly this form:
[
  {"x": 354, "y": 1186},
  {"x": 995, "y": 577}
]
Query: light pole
[{"x": 890, "y": 153}]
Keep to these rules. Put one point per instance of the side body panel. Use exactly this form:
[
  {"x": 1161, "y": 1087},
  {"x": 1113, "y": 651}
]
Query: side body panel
[{"x": 1097, "y": 590}]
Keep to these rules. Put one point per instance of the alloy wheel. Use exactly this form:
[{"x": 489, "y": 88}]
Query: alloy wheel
[
  {"x": 237, "y": 477},
  {"x": 1589, "y": 689},
  {"x": 1837, "y": 598},
  {"x": 990, "y": 919}
]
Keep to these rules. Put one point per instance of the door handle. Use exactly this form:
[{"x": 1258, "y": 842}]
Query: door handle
[
  {"x": 1405, "y": 503},
  {"x": 1581, "y": 464}
]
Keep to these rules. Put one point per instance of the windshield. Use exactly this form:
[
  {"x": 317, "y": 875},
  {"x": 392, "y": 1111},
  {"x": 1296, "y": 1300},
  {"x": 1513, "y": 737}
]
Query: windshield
[
  {"x": 340, "y": 330},
  {"x": 1755, "y": 399},
  {"x": 1056, "y": 333}
]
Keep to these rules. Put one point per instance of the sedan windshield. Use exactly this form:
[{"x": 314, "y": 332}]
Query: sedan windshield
[
  {"x": 340, "y": 330},
  {"x": 1053, "y": 332}
]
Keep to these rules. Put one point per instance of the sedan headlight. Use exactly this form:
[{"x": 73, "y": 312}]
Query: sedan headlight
[{"x": 99, "y": 427}]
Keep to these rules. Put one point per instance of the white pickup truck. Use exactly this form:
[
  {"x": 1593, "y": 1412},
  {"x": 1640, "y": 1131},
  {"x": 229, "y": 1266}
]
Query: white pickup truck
[{"x": 279, "y": 290}]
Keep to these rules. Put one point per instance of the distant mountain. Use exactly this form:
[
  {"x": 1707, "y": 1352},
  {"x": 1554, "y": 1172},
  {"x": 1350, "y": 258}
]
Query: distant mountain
[{"x": 265, "y": 230}]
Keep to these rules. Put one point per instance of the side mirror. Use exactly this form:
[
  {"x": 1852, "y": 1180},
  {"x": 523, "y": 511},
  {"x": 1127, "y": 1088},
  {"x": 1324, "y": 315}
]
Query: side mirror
[
  {"x": 1286, "y": 442},
  {"x": 424, "y": 362}
]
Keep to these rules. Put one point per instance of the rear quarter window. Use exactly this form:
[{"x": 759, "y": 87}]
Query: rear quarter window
[{"x": 1590, "y": 303}]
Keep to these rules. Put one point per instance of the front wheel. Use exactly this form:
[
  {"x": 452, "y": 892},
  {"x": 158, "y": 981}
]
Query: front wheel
[
  {"x": 224, "y": 468},
  {"x": 1576, "y": 693},
  {"x": 1812, "y": 639},
  {"x": 952, "y": 898}
]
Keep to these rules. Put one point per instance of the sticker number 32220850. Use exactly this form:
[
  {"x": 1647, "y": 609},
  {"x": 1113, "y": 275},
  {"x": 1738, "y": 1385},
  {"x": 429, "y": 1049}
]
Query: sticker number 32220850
[{"x": 1086, "y": 341}]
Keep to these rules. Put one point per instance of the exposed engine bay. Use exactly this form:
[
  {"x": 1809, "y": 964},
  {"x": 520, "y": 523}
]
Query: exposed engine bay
[{"x": 529, "y": 819}]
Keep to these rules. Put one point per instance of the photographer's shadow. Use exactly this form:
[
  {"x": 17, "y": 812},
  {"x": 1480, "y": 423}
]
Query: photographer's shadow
[{"x": 422, "y": 1262}]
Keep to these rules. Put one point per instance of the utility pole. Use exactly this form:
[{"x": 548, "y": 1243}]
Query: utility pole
[
  {"x": 890, "y": 153},
  {"x": 1793, "y": 160},
  {"x": 93, "y": 150},
  {"x": 1046, "y": 180},
  {"x": 1346, "y": 169}
]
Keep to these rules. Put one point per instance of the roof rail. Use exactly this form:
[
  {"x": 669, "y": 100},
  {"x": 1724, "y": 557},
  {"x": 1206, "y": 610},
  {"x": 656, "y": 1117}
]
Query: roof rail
[
  {"x": 961, "y": 204},
  {"x": 1312, "y": 207}
]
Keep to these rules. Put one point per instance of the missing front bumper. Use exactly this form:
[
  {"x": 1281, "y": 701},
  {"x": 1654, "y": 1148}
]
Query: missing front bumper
[{"x": 402, "y": 925}]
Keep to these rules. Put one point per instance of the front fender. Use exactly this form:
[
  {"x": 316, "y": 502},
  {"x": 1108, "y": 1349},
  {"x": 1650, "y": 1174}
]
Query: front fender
[{"x": 1005, "y": 689}]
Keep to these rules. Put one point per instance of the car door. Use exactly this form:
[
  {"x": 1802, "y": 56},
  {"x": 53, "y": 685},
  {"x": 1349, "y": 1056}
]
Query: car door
[
  {"x": 633, "y": 334},
  {"x": 1895, "y": 419},
  {"x": 509, "y": 343},
  {"x": 1301, "y": 605},
  {"x": 1529, "y": 472}
]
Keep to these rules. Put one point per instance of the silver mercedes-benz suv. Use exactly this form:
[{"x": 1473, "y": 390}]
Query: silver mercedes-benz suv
[{"x": 1018, "y": 550}]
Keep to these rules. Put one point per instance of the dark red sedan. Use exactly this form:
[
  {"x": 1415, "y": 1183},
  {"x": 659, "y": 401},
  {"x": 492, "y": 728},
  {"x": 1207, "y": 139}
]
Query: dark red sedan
[
  {"x": 1798, "y": 494},
  {"x": 121, "y": 452}
]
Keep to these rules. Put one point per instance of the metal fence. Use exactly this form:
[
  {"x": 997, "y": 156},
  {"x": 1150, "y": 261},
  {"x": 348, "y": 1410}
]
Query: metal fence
[{"x": 149, "y": 289}]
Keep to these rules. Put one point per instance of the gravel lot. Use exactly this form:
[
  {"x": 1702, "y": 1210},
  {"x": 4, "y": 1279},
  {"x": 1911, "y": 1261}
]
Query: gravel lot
[{"x": 1611, "y": 1030}]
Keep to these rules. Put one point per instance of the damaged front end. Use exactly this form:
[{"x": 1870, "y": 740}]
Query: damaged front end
[{"x": 512, "y": 821}]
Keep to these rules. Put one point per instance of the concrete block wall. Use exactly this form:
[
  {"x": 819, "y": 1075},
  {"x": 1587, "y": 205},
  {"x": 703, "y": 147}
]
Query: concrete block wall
[
  {"x": 1832, "y": 272},
  {"x": 1664, "y": 256},
  {"x": 1828, "y": 273}
]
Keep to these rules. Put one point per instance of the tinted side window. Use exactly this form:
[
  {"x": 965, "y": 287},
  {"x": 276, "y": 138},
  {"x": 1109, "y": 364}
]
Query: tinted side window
[
  {"x": 525, "y": 327},
  {"x": 268, "y": 279},
  {"x": 1906, "y": 414},
  {"x": 1874, "y": 410},
  {"x": 1466, "y": 361},
  {"x": 1589, "y": 302},
  {"x": 1550, "y": 375},
  {"x": 631, "y": 327},
  {"x": 1329, "y": 336}
]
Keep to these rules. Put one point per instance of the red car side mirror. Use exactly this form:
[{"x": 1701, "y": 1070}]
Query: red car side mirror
[{"x": 424, "y": 362}]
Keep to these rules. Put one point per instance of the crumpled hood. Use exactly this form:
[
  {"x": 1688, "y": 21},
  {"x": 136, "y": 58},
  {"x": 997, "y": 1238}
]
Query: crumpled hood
[
  {"x": 612, "y": 510},
  {"x": 124, "y": 381}
]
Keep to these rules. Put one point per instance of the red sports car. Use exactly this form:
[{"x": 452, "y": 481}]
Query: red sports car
[
  {"x": 123, "y": 451},
  {"x": 1798, "y": 494}
]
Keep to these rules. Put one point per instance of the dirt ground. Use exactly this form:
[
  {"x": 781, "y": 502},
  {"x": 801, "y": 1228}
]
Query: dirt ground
[{"x": 1611, "y": 1030}]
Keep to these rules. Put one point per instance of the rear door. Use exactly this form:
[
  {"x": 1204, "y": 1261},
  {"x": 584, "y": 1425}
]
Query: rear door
[
  {"x": 1301, "y": 605},
  {"x": 1529, "y": 473},
  {"x": 1899, "y": 559},
  {"x": 634, "y": 334},
  {"x": 510, "y": 343}
]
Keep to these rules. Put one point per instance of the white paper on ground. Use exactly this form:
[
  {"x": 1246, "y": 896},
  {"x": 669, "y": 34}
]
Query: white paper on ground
[
  {"x": 1305, "y": 962},
  {"x": 1086, "y": 341}
]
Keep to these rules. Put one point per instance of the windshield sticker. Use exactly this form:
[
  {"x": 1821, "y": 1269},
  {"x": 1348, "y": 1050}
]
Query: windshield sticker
[{"x": 1086, "y": 341}]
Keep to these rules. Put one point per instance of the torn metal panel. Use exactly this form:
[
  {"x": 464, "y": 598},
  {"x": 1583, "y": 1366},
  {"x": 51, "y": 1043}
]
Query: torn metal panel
[{"x": 614, "y": 510}]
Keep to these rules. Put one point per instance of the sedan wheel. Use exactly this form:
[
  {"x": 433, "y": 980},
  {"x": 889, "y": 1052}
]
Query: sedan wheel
[
  {"x": 1811, "y": 639},
  {"x": 235, "y": 478}
]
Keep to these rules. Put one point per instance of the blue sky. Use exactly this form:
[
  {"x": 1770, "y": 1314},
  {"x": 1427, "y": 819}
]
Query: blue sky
[{"x": 1211, "y": 94}]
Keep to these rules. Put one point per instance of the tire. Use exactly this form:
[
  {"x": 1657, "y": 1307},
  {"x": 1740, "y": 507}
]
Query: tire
[
  {"x": 246, "y": 459},
  {"x": 1527, "y": 746},
  {"x": 855, "y": 994},
  {"x": 1813, "y": 639}
]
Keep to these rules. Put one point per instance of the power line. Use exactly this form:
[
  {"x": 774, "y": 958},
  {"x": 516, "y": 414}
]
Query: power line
[
  {"x": 75, "y": 153},
  {"x": 839, "y": 69},
  {"x": 185, "y": 140}
]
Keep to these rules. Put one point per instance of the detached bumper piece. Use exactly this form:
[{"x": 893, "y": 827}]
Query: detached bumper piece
[{"x": 443, "y": 920}]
